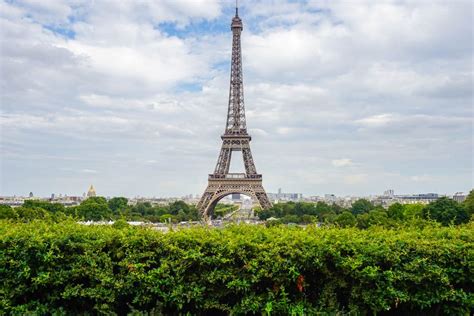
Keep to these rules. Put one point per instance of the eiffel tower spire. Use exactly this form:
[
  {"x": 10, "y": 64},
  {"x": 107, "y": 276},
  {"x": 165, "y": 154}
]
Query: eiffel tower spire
[
  {"x": 235, "y": 138},
  {"x": 236, "y": 114}
]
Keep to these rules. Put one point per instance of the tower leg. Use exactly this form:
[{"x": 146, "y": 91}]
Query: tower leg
[
  {"x": 263, "y": 200},
  {"x": 218, "y": 189}
]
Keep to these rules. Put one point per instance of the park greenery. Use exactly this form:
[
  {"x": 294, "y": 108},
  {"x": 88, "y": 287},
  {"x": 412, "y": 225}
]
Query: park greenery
[
  {"x": 363, "y": 213},
  {"x": 99, "y": 209},
  {"x": 408, "y": 259},
  {"x": 64, "y": 268}
]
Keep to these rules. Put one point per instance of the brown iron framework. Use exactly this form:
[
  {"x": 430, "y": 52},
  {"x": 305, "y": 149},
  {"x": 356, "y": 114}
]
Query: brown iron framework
[{"x": 235, "y": 138}]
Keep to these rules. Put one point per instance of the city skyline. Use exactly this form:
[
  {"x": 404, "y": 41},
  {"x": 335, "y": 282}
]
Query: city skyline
[
  {"x": 350, "y": 99},
  {"x": 196, "y": 195}
]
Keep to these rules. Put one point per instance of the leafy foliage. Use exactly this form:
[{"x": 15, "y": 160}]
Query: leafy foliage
[
  {"x": 361, "y": 206},
  {"x": 47, "y": 206},
  {"x": 396, "y": 211},
  {"x": 446, "y": 211},
  {"x": 174, "y": 212},
  {"x": 223, "y": 209},
  {"x": 66, "y": 268},
  {"x": 411, "y": 211},
  {"x": 31, "y": 213},
  {"x": 118, "y": 203},
  {"x": 7, "y": 212},
  {"x": 469, "y": 204},
  {"x": 365, "y": 214},
  {"x": 98, "y": 208},
  {"x": 345, "y": 219},
  {"x": 94, "y": 208},
  {"x": 301, "y": 212}
]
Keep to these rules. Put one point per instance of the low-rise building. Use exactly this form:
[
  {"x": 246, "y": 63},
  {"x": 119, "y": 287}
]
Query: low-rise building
[{"x": 459, "y": 197}]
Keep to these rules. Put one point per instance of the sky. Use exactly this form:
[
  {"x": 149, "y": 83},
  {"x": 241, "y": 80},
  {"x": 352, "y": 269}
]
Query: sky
[{"x": 342, "y": 97}]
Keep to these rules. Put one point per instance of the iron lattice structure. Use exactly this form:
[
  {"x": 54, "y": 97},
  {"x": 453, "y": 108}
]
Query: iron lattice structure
[{"x": 235, "y": 138}]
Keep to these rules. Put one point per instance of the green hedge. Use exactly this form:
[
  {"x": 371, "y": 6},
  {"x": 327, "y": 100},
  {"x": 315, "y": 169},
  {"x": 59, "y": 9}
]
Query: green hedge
[{"x": 66, "y": 268}]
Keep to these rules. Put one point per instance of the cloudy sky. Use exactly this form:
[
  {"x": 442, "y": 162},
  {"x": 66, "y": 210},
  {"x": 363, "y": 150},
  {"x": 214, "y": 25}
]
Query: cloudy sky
[{"x": 344, "y": 97}]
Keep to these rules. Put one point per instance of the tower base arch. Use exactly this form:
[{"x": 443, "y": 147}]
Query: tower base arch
[{"x": 219, "y": 188}]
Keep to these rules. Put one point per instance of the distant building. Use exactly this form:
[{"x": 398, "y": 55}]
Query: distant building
[
  {"x": 329, "y": 198},
  {"x": 91, "y": 191},
  {"x": 31, "y": 194},
  {"x": 417, "y": 198},
  {"x": 389, "y": 192},
  {"x": 235, "y": 196},
  {"x": 280, "y": 196},
  {"x": 459, "y": 197}
]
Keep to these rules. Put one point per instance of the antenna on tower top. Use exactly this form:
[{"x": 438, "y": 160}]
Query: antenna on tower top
[{"x": 236, "y": 7}]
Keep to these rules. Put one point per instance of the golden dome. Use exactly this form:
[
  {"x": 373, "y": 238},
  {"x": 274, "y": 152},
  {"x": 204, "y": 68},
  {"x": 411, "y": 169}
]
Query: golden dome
[{"x": 91, "y": 191}]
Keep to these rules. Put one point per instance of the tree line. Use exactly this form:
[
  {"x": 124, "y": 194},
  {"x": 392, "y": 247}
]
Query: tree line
[
  {"x": 98, "y": 208},
  {"x": 363, "y": 213}
]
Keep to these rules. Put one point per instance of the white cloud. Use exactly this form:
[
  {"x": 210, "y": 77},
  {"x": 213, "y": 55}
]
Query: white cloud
[
  {"x": 342, "y": 162},
  {"x": 148, "y": 81},
  {"x": 376, "y": 120},
  {"x": 421, "y": 178}
]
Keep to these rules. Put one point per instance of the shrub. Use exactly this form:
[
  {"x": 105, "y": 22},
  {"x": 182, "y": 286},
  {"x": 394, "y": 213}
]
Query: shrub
[
  {"x": 7, "y": 212},
  {"x": 120, "y": 224},
  {"x": 66, "y": 268}
]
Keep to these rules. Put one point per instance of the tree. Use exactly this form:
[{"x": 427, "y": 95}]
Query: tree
[
  {"x": 93, "y": 211},
  {"x": 322, "y": 207},
  {"x": 374, "y": 217},
  {"x": 95, "y": 199},
  {"x": 175, "y": 207},
  {"x": 222, "y": 209},
  {"x": 117, "y": 204},
  {"x": 166, "y": 218},
  {"x": 411, "y": 211},
  {"x": 304, "y": 208},
  {"x": 120, "y": 224},
  {"x": 308, "y": 219},
  {"x": 30, "y": 213},
  {"x": 50, "y": 207},
  {"x": 395, "y": 211},
  {"x": 7, "y": 212},
  {"x": 142, "y": 208},
  {"x": 94, "y": 208},
  {"x": 446, "y": 211},
  {"x": 290, "y": 219},
  {"x": 361, "y": 206},
  {"x": 263, "y": 214},
  {"x": 345, "y": 219},
  {"x": 378, "y": 217},
  {"x": 337, "y": 208},
  {"x": 328, "y": 217},
  {"x": 469, "y": 204}
]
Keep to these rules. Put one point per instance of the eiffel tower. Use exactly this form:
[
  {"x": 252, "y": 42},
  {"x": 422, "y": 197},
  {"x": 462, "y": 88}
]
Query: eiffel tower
[{"x": 235, "y": 138}]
